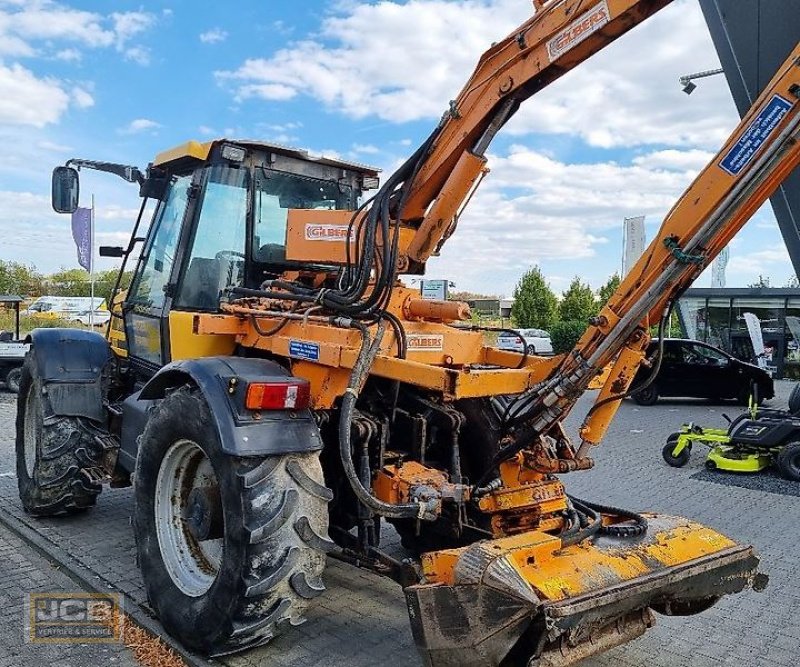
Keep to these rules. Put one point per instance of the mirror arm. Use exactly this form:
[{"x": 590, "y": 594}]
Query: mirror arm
[{"x": 124, "y": 171}]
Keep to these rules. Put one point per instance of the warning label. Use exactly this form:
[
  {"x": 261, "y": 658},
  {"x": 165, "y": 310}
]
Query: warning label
[
  {"x": 300, "y": 349},
  {"x": 738, "y": 157}
]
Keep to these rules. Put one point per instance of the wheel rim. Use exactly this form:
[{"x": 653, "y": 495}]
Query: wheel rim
[
  {"x": 31, "y": 431},
  {"x": 191, "y": 563}
]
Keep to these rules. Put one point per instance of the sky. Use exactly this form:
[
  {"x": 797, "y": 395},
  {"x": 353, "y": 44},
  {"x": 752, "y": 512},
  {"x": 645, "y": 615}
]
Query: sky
[{"x": 365, "y": 81}]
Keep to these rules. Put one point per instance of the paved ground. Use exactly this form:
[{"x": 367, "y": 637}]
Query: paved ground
[
  {"x": 361, "y": 620},
  {"x": 23, "y": 571}
]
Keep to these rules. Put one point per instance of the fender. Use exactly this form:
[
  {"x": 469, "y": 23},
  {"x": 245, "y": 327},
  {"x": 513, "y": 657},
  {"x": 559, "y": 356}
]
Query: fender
[
  {"x": 70, "y": 363},
  {"x": 223, "y": 382}
]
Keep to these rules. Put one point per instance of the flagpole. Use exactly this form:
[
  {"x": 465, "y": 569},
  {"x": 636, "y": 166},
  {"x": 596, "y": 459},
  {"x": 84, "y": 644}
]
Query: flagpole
[{"x": 91, "y": 266}]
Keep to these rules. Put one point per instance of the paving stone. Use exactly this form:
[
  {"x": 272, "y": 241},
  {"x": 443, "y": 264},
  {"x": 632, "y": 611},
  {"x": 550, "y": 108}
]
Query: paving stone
[{"x": 361, "y": 620}]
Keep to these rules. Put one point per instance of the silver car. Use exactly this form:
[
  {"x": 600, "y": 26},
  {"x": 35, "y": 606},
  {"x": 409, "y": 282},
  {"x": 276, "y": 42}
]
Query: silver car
[{"x": 537, "y": 341}]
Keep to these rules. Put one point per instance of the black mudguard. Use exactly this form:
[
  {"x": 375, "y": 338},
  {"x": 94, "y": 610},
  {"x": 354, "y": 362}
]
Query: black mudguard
[
  {"x": 223, "y": 382},
  {"x": 70, "y": 363}
]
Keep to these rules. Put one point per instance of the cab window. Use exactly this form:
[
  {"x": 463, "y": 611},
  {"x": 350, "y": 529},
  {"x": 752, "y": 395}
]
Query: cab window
[
  {"x": 216, "y": 258},
  {"x": 275, "y": 193},
  {"x": 148, "y": 289}
]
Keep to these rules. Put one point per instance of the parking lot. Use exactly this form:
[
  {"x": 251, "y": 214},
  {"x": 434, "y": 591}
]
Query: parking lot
[{"x": 361, "y": 620}]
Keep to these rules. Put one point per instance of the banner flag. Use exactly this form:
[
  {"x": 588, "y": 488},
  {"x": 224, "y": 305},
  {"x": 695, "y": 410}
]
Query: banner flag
[{"x": 82, "y": 235}]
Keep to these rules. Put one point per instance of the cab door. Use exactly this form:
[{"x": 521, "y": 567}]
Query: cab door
[{"x": 147, "y": 300}]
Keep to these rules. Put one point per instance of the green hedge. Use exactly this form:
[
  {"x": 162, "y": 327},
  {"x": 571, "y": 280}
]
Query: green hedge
[{"x": 564, "y": 335}]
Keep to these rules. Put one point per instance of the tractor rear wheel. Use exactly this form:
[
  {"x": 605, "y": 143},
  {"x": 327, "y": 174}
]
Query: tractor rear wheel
[
  {"x": 789, "y": 461},
  {"x": 53, "y": 455},
  {"x": 231, "y": 549},
  {"x": 13, "y": 379}
]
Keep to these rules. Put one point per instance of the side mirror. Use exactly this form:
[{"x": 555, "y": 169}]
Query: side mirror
[
  {"x": 111, "y": 251},
  {"x": 66, "y": 188}
]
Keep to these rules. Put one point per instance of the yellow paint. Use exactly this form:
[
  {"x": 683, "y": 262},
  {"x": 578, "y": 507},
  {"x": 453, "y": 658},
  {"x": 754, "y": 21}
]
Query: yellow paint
[{"x": 185, "y": 344}]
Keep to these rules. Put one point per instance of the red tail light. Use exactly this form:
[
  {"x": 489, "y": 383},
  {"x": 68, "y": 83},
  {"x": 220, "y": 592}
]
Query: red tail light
[{"x": 284, "y": 395}]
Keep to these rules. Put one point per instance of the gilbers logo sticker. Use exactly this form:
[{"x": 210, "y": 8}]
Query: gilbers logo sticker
[
  {"x": 578, "y": 30},
  {"x": 320, "y": 232},
  {"x": 425, "y": 342}
]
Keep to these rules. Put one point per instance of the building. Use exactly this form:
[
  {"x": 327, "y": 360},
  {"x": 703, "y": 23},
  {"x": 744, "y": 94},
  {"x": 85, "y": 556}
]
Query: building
[{"x": 718, "y": 317}]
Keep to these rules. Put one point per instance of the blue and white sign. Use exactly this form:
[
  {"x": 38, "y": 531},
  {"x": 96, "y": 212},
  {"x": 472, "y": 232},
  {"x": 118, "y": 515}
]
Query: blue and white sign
[
  {"x": 754, "y": 136},
  {"x": 300, "y": 349}
]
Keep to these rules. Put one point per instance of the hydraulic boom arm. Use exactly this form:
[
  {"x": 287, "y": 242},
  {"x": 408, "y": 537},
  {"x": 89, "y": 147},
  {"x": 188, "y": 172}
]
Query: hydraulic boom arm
[{"x": 758, "y": 156}]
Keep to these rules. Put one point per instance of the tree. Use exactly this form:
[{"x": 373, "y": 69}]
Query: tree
[
  {"x": 761, "y": 282},
  {"x": 535, "y": 304},
  {"x": 16, "y": 278},
  {"x": 69, "y": 282},
  {"x": 564, "y": 335},
  {"x": 607, "y": 290},
  {"x": 578, "y": 303}
]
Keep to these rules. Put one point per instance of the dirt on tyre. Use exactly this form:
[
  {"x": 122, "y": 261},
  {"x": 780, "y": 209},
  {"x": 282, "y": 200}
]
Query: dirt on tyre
[
  {"x": 789, "y": 461},
  {"x": 681, "y": 459},
  {"x": 53, "y": 454},
  {"x": 231, "y": 549},
  {"x": 647, "y": 396},
  {"x": 13, "y": 379}
]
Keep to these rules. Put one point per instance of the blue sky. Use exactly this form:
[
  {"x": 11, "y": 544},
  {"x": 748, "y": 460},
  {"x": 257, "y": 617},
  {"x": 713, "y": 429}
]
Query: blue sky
[{"x": 365, "y": 81}]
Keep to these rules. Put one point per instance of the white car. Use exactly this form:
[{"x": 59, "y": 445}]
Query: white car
[
  {"x": 537, "y": 341},
  {"x": 101, "y": 317}
]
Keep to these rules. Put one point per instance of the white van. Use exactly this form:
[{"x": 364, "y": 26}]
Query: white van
[{"x": 65, "y": 306}]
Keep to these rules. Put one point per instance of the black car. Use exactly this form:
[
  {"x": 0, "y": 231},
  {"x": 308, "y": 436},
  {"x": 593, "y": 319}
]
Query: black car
[{"x": 695, "y": 369}]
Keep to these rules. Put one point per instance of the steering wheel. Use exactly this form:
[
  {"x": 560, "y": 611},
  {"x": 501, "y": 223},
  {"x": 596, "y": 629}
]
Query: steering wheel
[{"x": 228, "y": 254}]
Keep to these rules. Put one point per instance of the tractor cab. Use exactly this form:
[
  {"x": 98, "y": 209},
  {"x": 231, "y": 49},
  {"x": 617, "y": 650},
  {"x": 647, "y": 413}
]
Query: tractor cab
[{"x": 229, "y": 214}]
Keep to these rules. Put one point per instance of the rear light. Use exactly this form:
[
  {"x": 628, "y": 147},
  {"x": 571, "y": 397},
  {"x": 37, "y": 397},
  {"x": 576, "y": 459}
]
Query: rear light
[{"x": 294, "y": 395}]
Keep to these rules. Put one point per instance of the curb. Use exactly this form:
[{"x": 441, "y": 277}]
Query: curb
[{"x": 92, "y": 582}]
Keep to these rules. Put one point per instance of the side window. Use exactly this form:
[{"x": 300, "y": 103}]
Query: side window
[
  {"x": 148, "y": 289},
  {"x": 216, "y": 260}
]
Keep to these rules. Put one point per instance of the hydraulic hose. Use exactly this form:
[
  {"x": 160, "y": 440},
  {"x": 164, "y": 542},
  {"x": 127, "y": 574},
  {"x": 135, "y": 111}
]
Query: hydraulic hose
[
  {"x": 639, "y": 527},
  {"x": 418, "y": 510}
]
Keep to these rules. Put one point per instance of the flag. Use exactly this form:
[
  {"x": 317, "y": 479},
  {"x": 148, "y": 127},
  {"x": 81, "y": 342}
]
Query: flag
[
  {"x": 82, "y": 235},
  {"x": 634, "y": 242}
]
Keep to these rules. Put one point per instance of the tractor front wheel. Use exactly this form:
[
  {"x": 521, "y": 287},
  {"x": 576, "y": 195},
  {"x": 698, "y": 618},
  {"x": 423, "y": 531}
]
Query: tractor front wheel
[
  {"x": 231, "y": 549},
  {"x": 54, "y": 455}
]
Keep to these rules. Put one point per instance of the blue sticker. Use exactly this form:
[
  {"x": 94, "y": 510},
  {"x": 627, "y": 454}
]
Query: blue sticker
[
  {"x": 754, "y": 136},
  {"x": 299, "y": 349}
]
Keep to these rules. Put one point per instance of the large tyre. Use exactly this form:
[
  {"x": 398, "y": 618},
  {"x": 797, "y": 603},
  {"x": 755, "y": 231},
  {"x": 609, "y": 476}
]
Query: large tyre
[
  {"x": 13, "y": 379},
  {"x": 231, "y": 549},
  {"x": 52, "y": 455},
  {"x": 681, "y": 459},
  {"x": 648, "y": 395},
  {"x": 789, "y": 461}
]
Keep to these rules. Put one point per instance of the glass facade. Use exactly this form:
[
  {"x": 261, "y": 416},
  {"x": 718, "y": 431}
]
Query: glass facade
[{"x": 731, "y": 318}]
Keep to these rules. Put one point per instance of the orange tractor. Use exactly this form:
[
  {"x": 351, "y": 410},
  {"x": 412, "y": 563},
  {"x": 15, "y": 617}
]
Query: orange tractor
[{"x": 274, "y": 393}]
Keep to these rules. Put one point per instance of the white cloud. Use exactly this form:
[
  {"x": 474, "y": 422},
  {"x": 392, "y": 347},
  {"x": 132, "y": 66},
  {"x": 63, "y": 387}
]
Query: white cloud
[
  {"x": 365, "y": 149},
  {"x": 140, "y": 125},
  {"x": 28, "y": 100},
  {"x": 82, "y": 99},
  {"x": 613, "y": 99},
  {"x": 69, "y": 55},
  {"x": 54, "y": 147},
  {"x": 534, "y": 209},
  {"x": 213, "y": 36},
  {"x": 47, "y": 23}
]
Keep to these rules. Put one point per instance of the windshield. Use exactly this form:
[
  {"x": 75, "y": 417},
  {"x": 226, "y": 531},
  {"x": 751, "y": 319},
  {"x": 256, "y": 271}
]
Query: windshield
[{"x": 275, "y": 193}]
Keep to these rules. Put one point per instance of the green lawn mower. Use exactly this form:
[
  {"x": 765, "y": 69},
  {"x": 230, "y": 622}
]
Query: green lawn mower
[{"x": 753, "y": 441}]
